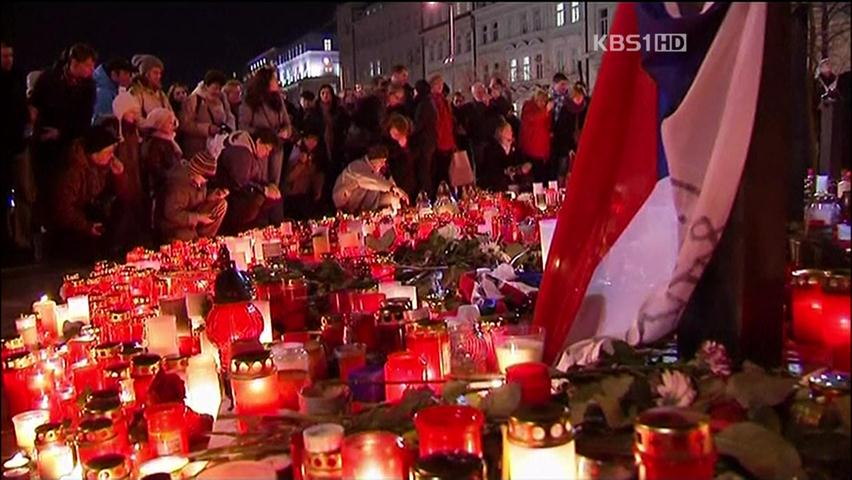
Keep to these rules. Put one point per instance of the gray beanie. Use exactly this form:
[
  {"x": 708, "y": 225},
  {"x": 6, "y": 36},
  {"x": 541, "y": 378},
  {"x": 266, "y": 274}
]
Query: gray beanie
[{"x": 145, "y": 63}]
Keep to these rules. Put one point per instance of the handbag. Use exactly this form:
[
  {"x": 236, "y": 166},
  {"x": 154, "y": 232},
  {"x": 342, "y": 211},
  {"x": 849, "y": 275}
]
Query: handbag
[{"x": 460, "y": 171}]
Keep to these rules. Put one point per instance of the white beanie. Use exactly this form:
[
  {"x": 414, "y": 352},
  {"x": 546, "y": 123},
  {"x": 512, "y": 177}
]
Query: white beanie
[
  {"x": 157, "y": 118},
  {"x": 123, "y": 103}
]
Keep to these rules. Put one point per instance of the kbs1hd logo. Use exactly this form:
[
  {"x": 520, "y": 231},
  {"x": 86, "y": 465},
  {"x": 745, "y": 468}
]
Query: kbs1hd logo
[{"x": 657, "y": 42}]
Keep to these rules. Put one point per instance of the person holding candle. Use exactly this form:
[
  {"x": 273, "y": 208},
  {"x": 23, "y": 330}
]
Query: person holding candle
[{"x": 363, "y": 186}]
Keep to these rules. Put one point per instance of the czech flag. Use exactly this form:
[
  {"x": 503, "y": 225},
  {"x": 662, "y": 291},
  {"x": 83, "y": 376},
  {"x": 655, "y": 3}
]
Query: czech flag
[{"x": 659, "y": 164}]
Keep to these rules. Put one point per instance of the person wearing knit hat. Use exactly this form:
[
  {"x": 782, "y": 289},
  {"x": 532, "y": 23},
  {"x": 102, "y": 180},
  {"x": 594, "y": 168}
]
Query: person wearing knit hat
[
  {"x": 160, "y": 152},
  {"x": 147, "y": 87},
  {"x": 186, "y": 210},
  {"x": 126, "y": 109}
]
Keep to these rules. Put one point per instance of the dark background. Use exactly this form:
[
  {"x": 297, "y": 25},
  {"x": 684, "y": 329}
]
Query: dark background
[{"x": 189, "y": 38}]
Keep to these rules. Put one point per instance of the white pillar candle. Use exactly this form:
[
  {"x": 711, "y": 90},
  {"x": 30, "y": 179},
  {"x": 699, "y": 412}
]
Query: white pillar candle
[
  {"x": 25, "y": 426},
  {"x": 550, "y": 463},
  {"x": 27, "y": 329},
  {"x": 162, "y": 335},
  {"x": 546, "y": 227},
  {"x": 518, "y": 350},
  {"x": 263, "y": 306},
  {"x": 55, "y": 461},
  {"x": 45, "y": 309},
  {"x": 78, "y": 308},
  {"x": 203, "y": 392}
]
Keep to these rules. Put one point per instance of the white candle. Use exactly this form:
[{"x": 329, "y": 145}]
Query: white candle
[
  {"x": 518, "y": 350},
  {"x": 78, "y": 308},
  {"x": 263, "y": 306},
  {"x": 25, "y": 426},
  {"x": 396, "y": 290},
  {"x": 209, "y": 349},
  {"x": 546, "y": 227},
  {"x": 195, "y": 303},
  {"x": 26, "y": 326},
  {"x": 286, "y": 229},
  {"x": 55, "y": 461},
  {"x": 168, "y": 464},
  {"x": 203, "y": 393},
  {"x": 162, "y": 335},
  {"x": 552, "y": 463},
  {"x": 45, "y": 309},
  {"x": 61, "y": 317}
]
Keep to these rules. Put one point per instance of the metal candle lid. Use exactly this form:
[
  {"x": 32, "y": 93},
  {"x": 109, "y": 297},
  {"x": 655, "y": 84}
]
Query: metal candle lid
[
  {"x": 323, "y": 438},
  {"x": 52, "y": 432},
  {"x": 18, "y": 361},
  {"x": 145, "y": 364},
  {"x": 673, "y": 432},
  {"x": 541, "y": 426},
  {"x": 249, "y": 365},
  {"x": 106, "y": 350},
  {"x": 112, "y": 466}
]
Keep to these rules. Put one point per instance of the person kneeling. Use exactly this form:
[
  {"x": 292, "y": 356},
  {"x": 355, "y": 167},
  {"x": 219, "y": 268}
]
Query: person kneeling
[
  {"x": 186, "y": 210},
  {"x": 363, "y": 186},
  {"x": 303, "y": 184}
]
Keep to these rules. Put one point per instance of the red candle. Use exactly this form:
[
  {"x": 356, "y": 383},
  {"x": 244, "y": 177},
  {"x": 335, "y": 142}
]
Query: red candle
[
  {"x": 402, "y": 369},
  {"x": 369, "y": 302},
  {"x": 383, "y": 272},
  {"x": 87, "y": 376},
  {"x": 188, "y": 345},
  {"x": 290, "y": 383},
  {"x": 167, "y": 432},
  {"x": 361, "y": 328},
  {"x": 16, "y": 369},
  {"x": 97, "y": 437},
  {"x": 374, "y": 455},
  {"x": 674, "y": 443},
  {"x": 807, "y": 305},
  {"x": 836, "y": 317},
  {"x": 449, "y": 429},
  {"x": 432, "y": 342},
  {"x": 340, "y": 302},
  {"x": 145, "y": 366},
  {"x": 78, "y": 347},
  {"x": 534, "y": 379},
  {"x": 350, "y": 357},
  {"x": 254, "y": 385}
]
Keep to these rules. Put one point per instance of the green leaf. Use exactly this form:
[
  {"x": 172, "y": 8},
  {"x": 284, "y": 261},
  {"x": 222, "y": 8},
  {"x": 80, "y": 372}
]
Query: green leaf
[
  {"x": 614, "y": 389},
  {"x": 501, "y": 402},
  {"x": 753, "y": 387},
  {"x": 710, "y": 389},
  {"x": 453, "y": 390},
  {"x": 762, "y": 452},
  {"x": 382, "y": 244}
]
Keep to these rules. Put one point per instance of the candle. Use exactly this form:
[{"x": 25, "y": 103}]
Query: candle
[
  {"x": 674, "y": 443},
  {"x": 349, "y": 357},
  {"x": 366, "y": 383},
  {"x": 539, "y": 443},
  {"x": 45, "y": 310},
  {"x": 534, "y": 380},
  {"x": 263, "y": 306},
  {"x": 449, "y": 429},
  {"x": 321, "y": 244},
  {"x": 61, "y": 318},
  {"x": 350, "y": 244},
  {"x": 97, "y": 436},
  {"x": 78, "y": 308},
  {"x": 27, "y": 329},
  {"x": 400, "y": 369},
  {"x": 162, "y": 335},
  {"x": 196, "y": 305},
  {"x": 167, "y": 432},
  {"x": 25, "y": 428},
  {"x": 395, "y": 290},
  {"x": 145, "y": 366},
  {"x": 449, "y": 466},
  {"x": 254, "y": 385},
  {"x": 112, "y": 466},
  {"x": 322, "y": 450},
  {"x": 290, "y": 356},
  {"x": 55, "y": 461},
  {"x": 170, "y": 464},
  {"x": 547, "y": 227},
  {"x": 807, "y": 305},
  {"x": 374, "y": 456},
  {"x": 515, "y": 344},
  {"x": 177, "y": 306},
  {"x": 290, "y": 383},
  {"x": 431, "y": 342},
  {"x": 203, "y": 392},
  {"x": 87, "y": 375}
]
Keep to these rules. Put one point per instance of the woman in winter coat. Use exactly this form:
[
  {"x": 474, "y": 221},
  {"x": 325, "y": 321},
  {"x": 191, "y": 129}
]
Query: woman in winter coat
[
  {"x": 329, "y": 118},
  {"x": 205, "y": 114},
  {"x": 160, "y": 152},
  {"x": 535, "y": 135},
  {"x": 302, "y": 185},
  {"x": 264, "y": 108},
  {"x": 400, "y": 160},
  {"x": 147, "y": 87}
]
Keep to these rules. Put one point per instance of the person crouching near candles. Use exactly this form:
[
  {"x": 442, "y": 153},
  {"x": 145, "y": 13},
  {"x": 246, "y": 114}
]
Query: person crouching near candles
[
  {"x": 302, "y": 185},
  {"x": 254, "y": 200},
  {"x": 363, "y": 185},
  {"x": 186, "y": 210},
  {"x": 501, "y": 164},
  {"x": 82, "y": 212}
]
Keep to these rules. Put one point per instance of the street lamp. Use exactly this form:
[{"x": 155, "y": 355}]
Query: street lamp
[{"x": 451, "y": 59}]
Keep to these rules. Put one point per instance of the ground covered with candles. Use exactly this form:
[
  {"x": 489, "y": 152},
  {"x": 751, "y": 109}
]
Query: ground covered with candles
[{"x": 405, "y": 351}]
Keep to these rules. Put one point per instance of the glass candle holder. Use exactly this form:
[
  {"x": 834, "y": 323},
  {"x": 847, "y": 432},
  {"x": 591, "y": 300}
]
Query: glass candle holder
[
  {"x": 361, "y": 328},
  {"x": 107, "y": 404},
  {"x": 374, "y": 455},
  {"x": 317, "y": 363},
  {"x": 119, "y": 376},
  {"x": 167, "y": 432},
  {"x": 674, "y": 443},
  {"x": 290, "y": 383},
  {"x": 254, "y": 385},
  {"x": 807, "y": 305},
  {"x": 449, "y": 466},
  {"x": 145, "y": 366},
  {"x": 25, "y": 428},
  {"x": 17, "y": 369},
  {"x": 534, "y": 379},
  {"x": 515, "y": 344},
  {"x": 27, "y": 327},
  {"x": 322, "y": 451},
  {"x": 340, "y": 302},
  {"x": 45, "y": 311},
  {"x": 80, "y": 346},
  {"x": 87, "y": 375},
  {"x": 432, "y": 342},
  {"x": 369, "y": 302},
  {"x": 203, "y": 391},
  {"x": 290, "y": 356},
  {"x": 107, "y": 467},
  {"x": 403, "y": 369},
  {"x": 55, "y": 457},
  {"x": 539, "y": 443},
  {"x": 835, "y": 309},
  {"x": 449, "y": 429},
  {"x": 350, "y": 357},
  {"x": 97, "y": 436}
]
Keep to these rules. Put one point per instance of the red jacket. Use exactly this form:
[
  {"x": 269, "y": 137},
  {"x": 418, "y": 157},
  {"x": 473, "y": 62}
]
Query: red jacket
[
  {"x": 535, "y": 131},
  {"x": 446, "y": 139}
]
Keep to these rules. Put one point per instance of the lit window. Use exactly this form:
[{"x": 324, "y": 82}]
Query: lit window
[
  {"x": 575, "y": 12},
  {"x": 372, "y": 70},
  {"x": 513, "y": 70},
  {"x": 560, "y": 14},
  {"x": 604, "y": 22},
  {"x": 526, "y": 68},
  {"x": 326, "y": 44},
  {"x": 326, "y": 61},
  {"x": 378, "y": 67},
  {"x": 539, "y": 68}
]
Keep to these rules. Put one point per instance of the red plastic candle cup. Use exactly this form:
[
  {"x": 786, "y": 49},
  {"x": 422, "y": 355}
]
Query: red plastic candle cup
[
  {"x": 16, "y": 370},
  {"x": 403, "y": 369},
  {"x": 449, "y": 429},
  {"x": 295, "y": 304},
  {"x": 374, "y": 455},
  {"x": 87, "y": 375},
  {"x": 331, "y": 331},
  {"x": 431, "y": 342},
  {"x": 534, "y": 379},
  {"x": 350, "y": 357},
  {"x": 361, "y": 328},
  {"x": 96, "y": 437},
  {"x": 167, "y": 432},
  {"x": 674, "y": 443},
  {"x": 144, "y": 367},
  {"x": 340, "y": 302},
  {"x": 369, "y": 302},
  {"x": 78, "y": 347},
  {"x": 188, "y": 345},
  {"x": 835, "y": 309},
  {"x": 807, "y": 305}
]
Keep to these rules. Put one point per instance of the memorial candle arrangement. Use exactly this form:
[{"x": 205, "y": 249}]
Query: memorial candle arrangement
[
  {"x": 674, "y": 443},
  {"x": 373, "y": 455},
  {"x": 539, "y": 443},
  {"x": 203, "y": 391},
  {"x": 449, "y": 429},
  {"x": 403, "y": 369},
  {"x": 518, "y": 344},
  {"x": 254, "y": 384}
]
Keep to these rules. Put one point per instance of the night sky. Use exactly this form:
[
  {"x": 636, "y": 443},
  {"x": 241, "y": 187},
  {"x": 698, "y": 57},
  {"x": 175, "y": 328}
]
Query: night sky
[{"x": 189, "y": 37}]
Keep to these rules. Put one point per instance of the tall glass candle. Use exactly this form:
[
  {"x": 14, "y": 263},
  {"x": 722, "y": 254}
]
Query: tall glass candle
[
  {"x": 55, "y": 462},
  {"x": 203, "y": 391},
  {"x": 161, "y": 332},
  {"x": 807, "y": 305},
  {"x": 534, "y": 379},
  {"x": 145, "y": 366},
  {"x": 518, "y": 344},
  {"x": 17, "y": 369},
  {"x": 374, "y": 455},
  {"x": 28, "y": 330},
  {"x": 449, "y": 429},
  {"x": 290, "y": 383},
  {"x": 432, "y": 342},
  {"x": 107, "y": 467},
  {"x": 674, "y": 443},
  {"x": 539, "y": 443},
  {"x": 25, "y": 428},
  {"x": 401, "y": 370},
  {"x": 87, "y": 375},
  {"x": 78, "y": 308},
  {"x": 254, "y": 385},
  {"x": 290, "y": 356},
  {"x": 97, "y": 436}
]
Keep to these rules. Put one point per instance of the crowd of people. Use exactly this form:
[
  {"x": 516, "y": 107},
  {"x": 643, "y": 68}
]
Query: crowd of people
[{"x": 100, "y": 158}]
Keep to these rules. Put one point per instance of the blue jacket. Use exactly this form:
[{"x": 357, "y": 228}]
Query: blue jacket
[{"x": 106, "y": 92}]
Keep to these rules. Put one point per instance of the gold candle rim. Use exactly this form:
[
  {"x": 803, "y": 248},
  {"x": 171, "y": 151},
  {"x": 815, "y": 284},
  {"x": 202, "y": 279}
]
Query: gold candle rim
[{"x": 540, "y": 426}]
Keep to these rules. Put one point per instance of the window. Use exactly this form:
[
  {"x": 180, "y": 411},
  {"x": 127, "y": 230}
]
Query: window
[
  {"x": 536, "y": 20},
  {"x": 524, "y": 27},
  {"x": 539, "y": 68},
  {"x": 326, "y": 44},
  {"x": 575, "y": 12},
  {"x": 513, "y": 70},
  {"x": 604, "y": 21},
  {"x": 372, "y": 71},
  {"x": 526, "y": 68},
  {"x": 485, "y": 34},
  {"x": 560, "y": 14},
  {"x": 494, "y": 36},
  {"x": 496, "y": 66},
  {"x": 378, "y": 67}
]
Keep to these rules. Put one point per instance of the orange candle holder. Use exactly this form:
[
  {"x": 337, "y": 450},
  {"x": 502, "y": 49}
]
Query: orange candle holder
[{"x": 674, "y": 443}]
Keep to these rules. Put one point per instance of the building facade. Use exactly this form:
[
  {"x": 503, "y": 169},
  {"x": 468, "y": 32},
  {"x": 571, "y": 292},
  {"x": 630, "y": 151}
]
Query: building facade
[{"x": 305, "y": 64}]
